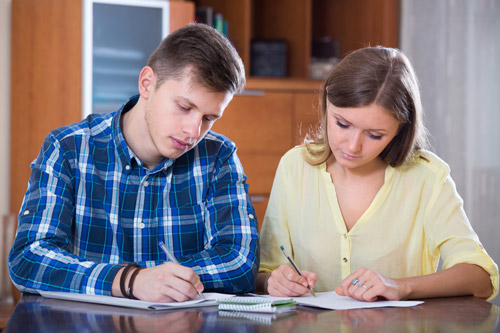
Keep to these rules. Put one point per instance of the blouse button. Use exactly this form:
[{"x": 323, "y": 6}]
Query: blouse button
[
  {"x": 250, "y": 216},
  {"x": 142, "y": 225},
  {"x": 345, "y": 259},
  {"x": 127, "y": 167},
  {"x": 26, "y": 212},
  {"x": 146, "y": 183},
  {"x": 345, "y": 236}
]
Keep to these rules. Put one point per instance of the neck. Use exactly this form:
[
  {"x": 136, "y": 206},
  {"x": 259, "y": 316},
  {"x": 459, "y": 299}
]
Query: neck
[
  {"x": 373, "y": 168},
  {"x": 136, "y": 133}
]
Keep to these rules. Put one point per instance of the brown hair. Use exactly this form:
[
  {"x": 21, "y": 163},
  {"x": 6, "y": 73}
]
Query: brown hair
[
  {"x": 214, "y": 62},
  {"x": 378, "y": 75}
]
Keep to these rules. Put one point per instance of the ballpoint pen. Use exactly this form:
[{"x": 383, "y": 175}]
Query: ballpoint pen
[
  {"x": 172, "y": 258},
  {"x": 297, "y": 270}
]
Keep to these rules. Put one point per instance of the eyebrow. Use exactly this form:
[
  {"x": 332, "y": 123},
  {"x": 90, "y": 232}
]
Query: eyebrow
[{"x": 339, "y": 117}]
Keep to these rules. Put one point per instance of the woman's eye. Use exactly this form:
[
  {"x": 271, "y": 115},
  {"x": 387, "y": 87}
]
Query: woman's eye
[
  {"x": 183, "y": 108},
  {"x": 375, "y": 137},
  {"x": 341, "y": 125}
]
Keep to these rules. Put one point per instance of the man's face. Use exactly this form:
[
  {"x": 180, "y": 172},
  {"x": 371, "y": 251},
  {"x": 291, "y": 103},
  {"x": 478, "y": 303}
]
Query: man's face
[{"x": 179, "y": 113}]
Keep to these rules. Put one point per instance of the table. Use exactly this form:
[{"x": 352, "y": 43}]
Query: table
[{"x": 456, "y": 314}]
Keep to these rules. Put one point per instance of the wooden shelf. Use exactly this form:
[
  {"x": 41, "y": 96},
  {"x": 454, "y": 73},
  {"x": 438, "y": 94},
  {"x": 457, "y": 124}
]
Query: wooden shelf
[{"x": 353, "y": 23}]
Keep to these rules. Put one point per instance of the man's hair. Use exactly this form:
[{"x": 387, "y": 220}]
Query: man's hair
[
  {"x": 213, "y": 61},
  {"x": 379, "y": 75}
]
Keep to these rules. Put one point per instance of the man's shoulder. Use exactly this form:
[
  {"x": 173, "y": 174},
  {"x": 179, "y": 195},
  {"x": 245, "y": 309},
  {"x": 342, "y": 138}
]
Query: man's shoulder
[
  {"x": 215, "y": 142},
  {"x": 95, "y": 125}
]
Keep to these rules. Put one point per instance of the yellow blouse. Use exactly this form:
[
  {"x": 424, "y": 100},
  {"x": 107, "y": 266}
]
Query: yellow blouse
[{"x": 415, "y": 217}]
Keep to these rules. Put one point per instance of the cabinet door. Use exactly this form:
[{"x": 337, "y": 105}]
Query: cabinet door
[
  {"x": 115, "y": 53},
  {"x": 261, "y": 127}
]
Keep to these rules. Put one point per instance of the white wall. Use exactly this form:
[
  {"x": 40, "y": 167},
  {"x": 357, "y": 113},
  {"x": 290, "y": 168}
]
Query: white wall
[
  {"x": 455, "y": 47},
  {"x": 4, "y": 104}
]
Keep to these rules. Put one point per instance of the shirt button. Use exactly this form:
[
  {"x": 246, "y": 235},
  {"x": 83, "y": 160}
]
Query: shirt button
[
  {"x": 345, "y": 236},
  {"x": 127, "y": 167},
  {"x": 26, "y": 212},
  {"x": 250, "y": 216},
  {"x": 146, "y": 183},
  {"x": 345, "y": 259},
  {"x": 142, "y": 225}
]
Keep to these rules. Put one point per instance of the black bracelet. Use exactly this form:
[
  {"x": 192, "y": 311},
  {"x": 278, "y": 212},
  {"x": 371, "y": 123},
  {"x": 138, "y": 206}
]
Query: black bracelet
[
  {"x": 123, "y": 277},
  {"x": 130, "y": 294}
]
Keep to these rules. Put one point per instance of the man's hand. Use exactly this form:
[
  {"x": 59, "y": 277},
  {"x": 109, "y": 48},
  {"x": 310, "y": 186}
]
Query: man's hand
[
  {"x": 284, "y": 281},
  {"x": 168, "y": 282}
]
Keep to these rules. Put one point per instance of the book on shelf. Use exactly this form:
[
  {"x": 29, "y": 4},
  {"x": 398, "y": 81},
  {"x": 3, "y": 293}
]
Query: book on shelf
[{"x": 205, "y": 15}]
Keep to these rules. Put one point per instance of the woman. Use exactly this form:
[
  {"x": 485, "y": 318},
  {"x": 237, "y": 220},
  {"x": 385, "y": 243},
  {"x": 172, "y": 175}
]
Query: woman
[{"x": 363, "y": 208}]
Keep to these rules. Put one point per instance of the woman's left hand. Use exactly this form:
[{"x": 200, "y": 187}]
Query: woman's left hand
[{"x": 367, "y": 285}]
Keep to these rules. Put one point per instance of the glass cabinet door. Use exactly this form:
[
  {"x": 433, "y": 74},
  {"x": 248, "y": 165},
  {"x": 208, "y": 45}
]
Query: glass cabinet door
[{"x": 119, "y": 36}]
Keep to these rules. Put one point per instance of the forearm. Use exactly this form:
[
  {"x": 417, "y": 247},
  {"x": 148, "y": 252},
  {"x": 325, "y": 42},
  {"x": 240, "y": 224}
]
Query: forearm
[
  {"x": 225, "y": 270},
  {"x": 461, "y": 279}
]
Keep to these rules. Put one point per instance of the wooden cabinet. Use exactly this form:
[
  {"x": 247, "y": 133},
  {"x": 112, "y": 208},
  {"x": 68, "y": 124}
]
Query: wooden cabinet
[
  {"x": 46, "y": 76},
  {"x": 265, "y": 124},
  {"x": 354, "y": 23}
]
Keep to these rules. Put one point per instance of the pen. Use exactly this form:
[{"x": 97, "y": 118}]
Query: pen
[
  {"x": 297, "y": 269},
  {"x": 172, "y": 258}
]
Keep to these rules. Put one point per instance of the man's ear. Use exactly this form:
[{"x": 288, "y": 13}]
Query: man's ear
[{"x": 147, "y": 82}]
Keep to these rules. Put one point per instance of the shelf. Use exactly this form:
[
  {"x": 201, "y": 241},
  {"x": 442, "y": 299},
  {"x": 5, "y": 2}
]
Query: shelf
[{"x": 353, "y": 23}]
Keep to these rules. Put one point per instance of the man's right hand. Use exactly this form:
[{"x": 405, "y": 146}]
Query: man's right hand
[
  {"x": 284, "y": 281},
  {"x": 169, "y": 282}
]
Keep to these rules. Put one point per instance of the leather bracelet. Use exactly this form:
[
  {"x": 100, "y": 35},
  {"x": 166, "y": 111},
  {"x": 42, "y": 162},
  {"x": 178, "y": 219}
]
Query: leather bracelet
[
  {"x": 123, "y": 278},
  {"x": 130, "y": 293}
]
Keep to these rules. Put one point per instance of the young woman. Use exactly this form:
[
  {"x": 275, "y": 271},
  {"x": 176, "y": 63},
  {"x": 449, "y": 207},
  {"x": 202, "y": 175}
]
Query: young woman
[{"x": 363, "y": 208}]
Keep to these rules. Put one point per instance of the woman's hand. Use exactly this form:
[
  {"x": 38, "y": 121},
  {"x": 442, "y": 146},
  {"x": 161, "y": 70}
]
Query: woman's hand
[
  {"x": 284, "y": 281},
  {"x": 367, "y": 285}
]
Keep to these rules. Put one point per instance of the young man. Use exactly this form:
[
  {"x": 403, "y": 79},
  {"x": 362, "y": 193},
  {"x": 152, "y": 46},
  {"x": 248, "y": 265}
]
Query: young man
[{"x": 103, "y": 192}]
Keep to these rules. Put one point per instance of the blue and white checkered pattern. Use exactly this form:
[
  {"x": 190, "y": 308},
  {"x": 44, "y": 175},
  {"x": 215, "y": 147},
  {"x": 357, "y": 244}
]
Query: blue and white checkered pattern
[{"x": 91, "y": 205}]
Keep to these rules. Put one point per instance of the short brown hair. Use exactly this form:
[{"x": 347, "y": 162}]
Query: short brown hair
[
  {"x": 214, "y": 62},
  {"x": 378, "y": 75}
]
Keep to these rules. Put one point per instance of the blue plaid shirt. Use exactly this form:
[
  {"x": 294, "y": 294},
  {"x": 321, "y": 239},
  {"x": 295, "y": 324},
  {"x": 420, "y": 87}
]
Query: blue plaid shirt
[{"x": 91, "y": 205}]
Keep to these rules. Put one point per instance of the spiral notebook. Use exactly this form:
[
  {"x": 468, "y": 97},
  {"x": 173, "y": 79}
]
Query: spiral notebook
[{"x": 257, "y": 304}]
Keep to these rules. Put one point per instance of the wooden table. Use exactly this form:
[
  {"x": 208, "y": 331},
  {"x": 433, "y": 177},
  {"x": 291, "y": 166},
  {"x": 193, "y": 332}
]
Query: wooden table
[{"x": 458, "y": 314}]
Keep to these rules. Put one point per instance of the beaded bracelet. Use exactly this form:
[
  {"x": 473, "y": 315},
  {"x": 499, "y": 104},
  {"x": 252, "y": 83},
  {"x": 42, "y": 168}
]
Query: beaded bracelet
[
  {"x": 123, "y": 277},
  {"x": 131, "y": 283}
]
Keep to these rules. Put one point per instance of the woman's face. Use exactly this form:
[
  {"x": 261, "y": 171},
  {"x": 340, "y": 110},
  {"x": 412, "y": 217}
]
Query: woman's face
[{"x": 358, "y": 135}]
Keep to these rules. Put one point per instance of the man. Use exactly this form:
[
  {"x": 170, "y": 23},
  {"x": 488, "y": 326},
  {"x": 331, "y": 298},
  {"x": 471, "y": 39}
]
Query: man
[{"x": 103, "y": 192}]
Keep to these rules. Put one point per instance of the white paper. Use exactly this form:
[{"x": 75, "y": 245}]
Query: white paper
[
  {"x": 210, "y": 299},
  {"x": 330, "y": 300}
]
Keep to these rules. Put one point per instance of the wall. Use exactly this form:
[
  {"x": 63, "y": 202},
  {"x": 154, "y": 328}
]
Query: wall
[
  {"x": 4, "y": 104},
  {"x": 454, "y": 46}
]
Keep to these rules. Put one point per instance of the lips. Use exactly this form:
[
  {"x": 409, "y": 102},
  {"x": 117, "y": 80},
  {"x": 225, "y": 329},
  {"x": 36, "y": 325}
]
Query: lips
[
  {"x": 180, "y": 144},
  {"x": 347, "y": 156}
]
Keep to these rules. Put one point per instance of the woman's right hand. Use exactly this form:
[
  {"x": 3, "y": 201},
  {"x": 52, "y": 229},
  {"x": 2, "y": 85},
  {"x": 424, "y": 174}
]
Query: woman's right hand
[{"x": 285, "y": 282}]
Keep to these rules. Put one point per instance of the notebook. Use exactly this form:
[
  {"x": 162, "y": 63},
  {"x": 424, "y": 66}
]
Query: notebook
[{"x": 256, "y": 304}]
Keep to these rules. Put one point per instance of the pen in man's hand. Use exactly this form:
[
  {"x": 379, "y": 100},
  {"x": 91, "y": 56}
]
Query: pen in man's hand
[
  {"x": 172, "y": 258},
  {"x": 297, "y": 270}
]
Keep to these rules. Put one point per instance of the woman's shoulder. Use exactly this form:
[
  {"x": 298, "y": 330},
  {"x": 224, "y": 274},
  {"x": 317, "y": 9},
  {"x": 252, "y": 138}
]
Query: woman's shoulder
[
  {"x": 426, "y": 163},
  {"x": 294, "y": 159}
]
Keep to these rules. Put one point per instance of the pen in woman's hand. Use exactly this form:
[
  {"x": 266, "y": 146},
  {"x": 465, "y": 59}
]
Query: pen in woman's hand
[
  {"x": 172, "y": 258},
  {"x": 297, "y": 270}
]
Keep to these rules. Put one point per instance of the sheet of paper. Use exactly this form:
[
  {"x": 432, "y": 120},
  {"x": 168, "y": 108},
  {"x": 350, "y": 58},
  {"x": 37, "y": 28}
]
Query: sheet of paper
[
  {"x": 210, "y": 299},
  {"x": 330, "y": 300}
]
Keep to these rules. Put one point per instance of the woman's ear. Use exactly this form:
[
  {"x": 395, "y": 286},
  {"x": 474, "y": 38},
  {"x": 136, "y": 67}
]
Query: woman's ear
[{"x": 147, "y": 82}]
